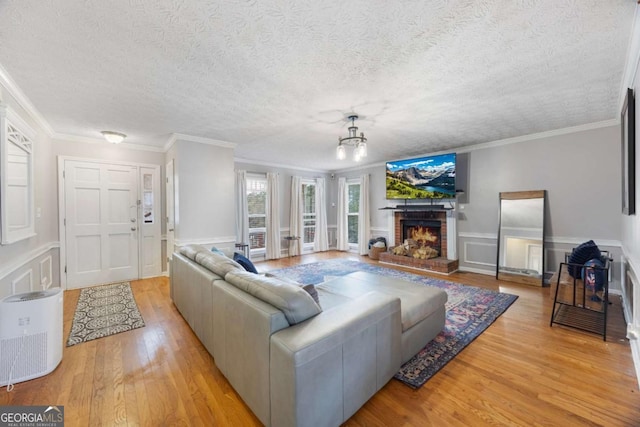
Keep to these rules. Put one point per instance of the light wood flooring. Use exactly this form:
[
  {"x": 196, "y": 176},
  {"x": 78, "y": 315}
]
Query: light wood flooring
[{"x": 519, "y": 371}]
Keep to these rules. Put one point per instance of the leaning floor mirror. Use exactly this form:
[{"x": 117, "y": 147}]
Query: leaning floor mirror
[{"x": 521, "y": 237}]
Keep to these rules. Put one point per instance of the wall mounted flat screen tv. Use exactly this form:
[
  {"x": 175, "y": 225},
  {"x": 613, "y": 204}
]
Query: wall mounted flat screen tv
[{"x": 432, "y": 177}]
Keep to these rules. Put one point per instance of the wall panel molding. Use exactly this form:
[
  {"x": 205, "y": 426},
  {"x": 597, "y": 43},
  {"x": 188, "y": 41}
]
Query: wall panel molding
[
  {"x": 23, "y": 283},
  {"x": 27, "y": 258},
  {"x": 46, "y": 272}
]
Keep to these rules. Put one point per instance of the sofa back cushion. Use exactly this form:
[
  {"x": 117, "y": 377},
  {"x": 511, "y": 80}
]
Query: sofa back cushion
[
  {"x": 296, "y": 304},
  {"x": 219, "y": 264},
  {"x": 190, "y": 251}
]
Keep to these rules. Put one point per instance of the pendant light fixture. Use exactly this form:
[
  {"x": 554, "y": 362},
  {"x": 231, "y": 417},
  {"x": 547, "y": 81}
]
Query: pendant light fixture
[{"x": 359, "y": 143}]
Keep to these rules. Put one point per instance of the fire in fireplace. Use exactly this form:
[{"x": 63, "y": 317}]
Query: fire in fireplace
[{"x": 423, "y": 233}]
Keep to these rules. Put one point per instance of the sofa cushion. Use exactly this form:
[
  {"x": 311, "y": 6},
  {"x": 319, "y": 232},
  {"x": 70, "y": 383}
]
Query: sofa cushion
[
  {"x": 190, "y": 251},
  {"x": 244, "y": 262},
  {"x": 296, "y": 304},
  {"x": 311, "y": 289},
  {"x": 219, "y": 264},
  {"x": 417, "y": 301}
]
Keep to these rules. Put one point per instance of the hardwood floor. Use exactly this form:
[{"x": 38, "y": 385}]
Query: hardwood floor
[{"x": 519, "y": 371}]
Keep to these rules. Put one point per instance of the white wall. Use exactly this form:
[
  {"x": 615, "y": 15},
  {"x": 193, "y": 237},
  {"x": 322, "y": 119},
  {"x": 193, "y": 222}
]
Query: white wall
[
  {"x": 204, "y": 193},
  {"x": 23, "y": 263},
  {"x": 630, "y": 227}
]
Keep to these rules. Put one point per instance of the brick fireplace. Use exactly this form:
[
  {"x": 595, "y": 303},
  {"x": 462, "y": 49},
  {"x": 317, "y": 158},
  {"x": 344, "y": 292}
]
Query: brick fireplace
[
  {"x": 417, "y": 225},
  {"x": 426, "y": 228}
]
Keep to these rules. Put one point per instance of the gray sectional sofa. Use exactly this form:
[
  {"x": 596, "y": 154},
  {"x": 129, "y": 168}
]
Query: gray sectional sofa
[{"x": 295, "y": 362}]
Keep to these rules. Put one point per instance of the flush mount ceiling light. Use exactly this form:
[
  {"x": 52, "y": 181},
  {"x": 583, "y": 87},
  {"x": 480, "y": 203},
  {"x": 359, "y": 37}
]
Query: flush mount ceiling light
[
  {"x": 113, "y": 137},
  {"x": 358, "y": 142}
]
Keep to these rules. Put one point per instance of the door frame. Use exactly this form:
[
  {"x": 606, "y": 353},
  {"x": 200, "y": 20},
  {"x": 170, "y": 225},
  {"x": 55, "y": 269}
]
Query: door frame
[{"x": 62, "y": 229}]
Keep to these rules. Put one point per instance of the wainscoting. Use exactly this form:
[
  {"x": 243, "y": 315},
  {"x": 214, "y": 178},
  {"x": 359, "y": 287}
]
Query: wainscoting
[
  {"x": 35, "y": 270},
  {"x": 478, "y": 254}
]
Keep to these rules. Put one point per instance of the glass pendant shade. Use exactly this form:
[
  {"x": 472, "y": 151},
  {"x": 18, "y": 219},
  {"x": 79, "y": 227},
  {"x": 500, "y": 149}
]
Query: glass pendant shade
[{"x": 341, "y": 153}]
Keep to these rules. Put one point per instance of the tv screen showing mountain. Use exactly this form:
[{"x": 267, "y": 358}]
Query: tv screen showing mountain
[{"x": 432, "y": 177}]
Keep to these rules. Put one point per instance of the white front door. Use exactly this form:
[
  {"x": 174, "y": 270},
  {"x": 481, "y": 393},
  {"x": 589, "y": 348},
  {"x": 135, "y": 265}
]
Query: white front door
[{"x": 101, "y": 207}]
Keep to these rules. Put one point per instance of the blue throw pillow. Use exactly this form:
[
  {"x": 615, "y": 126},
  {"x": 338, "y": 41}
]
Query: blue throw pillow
[
  {"x": 244, "y": 262},
  {"x": 217, "y": 251}
]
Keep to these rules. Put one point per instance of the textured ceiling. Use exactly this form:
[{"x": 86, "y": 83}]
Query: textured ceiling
[{"x": 278, "y": 77}]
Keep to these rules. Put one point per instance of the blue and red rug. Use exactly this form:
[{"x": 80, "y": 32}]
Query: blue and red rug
[{"x": 470, "y": 311}]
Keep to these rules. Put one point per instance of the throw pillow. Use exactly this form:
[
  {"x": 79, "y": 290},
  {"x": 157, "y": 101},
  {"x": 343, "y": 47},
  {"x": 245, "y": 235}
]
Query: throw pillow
[
  {"x": 244, "y": 262},
  {"x": 581, "y": 254},
  {"x": 311, "y": 290},
  {"x": 217, "y": 251},
  {"x": 296, "y": 304}
]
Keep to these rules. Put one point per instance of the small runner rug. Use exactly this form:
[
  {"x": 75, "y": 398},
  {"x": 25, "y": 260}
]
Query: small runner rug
[
  {"x": 103, "y": 311},
  {"x": 470, "y": 310}
]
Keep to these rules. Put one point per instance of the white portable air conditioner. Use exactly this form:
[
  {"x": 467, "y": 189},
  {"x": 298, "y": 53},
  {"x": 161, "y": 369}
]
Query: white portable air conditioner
[{"x": 30, "y": 335}]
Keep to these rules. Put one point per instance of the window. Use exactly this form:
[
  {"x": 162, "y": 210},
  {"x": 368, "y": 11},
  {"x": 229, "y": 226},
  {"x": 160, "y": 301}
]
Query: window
[
  {"x": 353, "y": 212},
  {"x": 257, "y": 207},
  {"x": 308, "y": 213},
  {"x": 16, "y": 193}
]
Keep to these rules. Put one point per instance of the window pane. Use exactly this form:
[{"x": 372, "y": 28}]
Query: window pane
[
  {"x": 309, "y": 213},
  {"x": 256, "y": 240},
  {"x": 256, "y": 202},
  {"x": 354, "y": 198},
  {"x": 257, "y": 222},
  {"x": 352, "y": 221},
  {"x": 309, "y": 198},
  {"x": 309, "y": 234}
]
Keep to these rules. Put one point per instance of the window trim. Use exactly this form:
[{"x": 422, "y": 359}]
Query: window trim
[
  {"x": 308, "y": 247},
  {"x": 257, "y": 251},
  {"x": 352, "y": 182},
  {"x": 14, "y": 130}
]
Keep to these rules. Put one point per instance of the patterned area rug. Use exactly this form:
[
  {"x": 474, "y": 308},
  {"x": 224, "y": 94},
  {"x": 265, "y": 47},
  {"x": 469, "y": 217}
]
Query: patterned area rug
[
  {"x": 103, "y": 311},
  {"x": 470, "y": 311}
]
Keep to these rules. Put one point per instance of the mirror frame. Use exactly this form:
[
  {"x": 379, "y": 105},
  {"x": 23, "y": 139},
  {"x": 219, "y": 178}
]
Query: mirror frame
[{"x": 520, "y": 195}]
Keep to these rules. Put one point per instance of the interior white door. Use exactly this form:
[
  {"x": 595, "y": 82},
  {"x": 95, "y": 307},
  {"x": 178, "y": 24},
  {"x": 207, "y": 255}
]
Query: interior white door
[{"x": 101, "y": 208}]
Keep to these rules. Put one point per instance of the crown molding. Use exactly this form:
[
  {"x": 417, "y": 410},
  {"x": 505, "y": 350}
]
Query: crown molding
[
  {"x": 278, "y": 165},
  {"x": 633, "y": 58},
  {"x": 14, "y": 90},
  {"x": 63, "y": 137},
  {"x": 501, "y": 142},
  {"x": 534, "y": 136},
  {"x": 199, "y": 139}
]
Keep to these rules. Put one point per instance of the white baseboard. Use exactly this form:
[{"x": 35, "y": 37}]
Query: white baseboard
[
  {"x": 635, "y": 355},
  {"x": 477, "y": 270}
]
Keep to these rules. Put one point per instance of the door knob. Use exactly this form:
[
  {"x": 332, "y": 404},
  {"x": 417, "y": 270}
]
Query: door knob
[
  {"x": 133, "y": 229},
  {"x": 133, "y": 220}
]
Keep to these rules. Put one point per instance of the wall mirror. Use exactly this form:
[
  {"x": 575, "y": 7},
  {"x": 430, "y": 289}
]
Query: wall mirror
[{"x": 521, "y": 237}]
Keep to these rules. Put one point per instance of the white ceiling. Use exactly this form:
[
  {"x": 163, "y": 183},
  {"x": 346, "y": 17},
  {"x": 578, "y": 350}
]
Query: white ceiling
[{"x": 277, "y": 77}]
